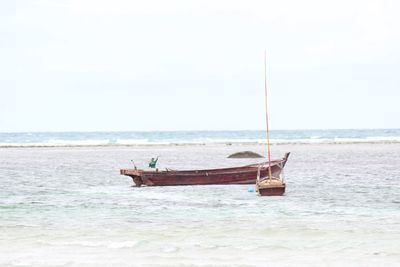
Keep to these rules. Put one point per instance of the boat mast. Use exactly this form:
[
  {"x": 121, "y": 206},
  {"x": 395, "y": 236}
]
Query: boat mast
[{"x": 266, "y": 112}]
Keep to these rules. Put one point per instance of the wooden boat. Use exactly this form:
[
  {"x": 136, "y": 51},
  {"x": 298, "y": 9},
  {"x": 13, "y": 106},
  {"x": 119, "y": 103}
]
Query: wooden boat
[
  {"x": 236, "y": 175},
  {"x": 273, "y": 184},
  {"x": 270, "y": 187}
]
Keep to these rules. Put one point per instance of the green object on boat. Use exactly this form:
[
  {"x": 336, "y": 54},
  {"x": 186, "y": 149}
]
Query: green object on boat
[{"x": 153, "y": 162}]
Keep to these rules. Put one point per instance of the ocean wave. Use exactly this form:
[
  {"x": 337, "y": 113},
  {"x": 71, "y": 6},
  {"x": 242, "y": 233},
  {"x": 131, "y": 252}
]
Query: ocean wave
[
  {"x": 58, "y": 143},
  {"x": 135, "y": 142},
  {"x": 83, "y": 243},
  {"x": 101, "y": 142},
  {"x": 208, "y": 141},
  {"x": 369, "y": 139}
]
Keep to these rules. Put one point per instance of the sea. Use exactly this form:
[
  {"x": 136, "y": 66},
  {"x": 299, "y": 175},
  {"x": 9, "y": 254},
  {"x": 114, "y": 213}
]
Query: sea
[
  {"x": 64, "y": 203},
  {"x": 64, "y": 139}
]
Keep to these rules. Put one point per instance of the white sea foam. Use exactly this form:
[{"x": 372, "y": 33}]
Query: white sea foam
[
  {"x": 84, "y": 243},
  {"x": 88, "y": 142},
  {"x": 124, "y": 244},
  {"x": 371, "y": 139},
  {"x": 22, "y": 144},
  {"x": 394, "y": 139},
  {"x": 59, "y": 143},
  {"x": 205, "y": 141},
  {"x": 138, "y": 142}
]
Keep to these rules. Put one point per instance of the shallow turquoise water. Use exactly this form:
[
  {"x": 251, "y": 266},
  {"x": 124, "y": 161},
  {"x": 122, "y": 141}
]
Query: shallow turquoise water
[{"x": 70, "y": 207}]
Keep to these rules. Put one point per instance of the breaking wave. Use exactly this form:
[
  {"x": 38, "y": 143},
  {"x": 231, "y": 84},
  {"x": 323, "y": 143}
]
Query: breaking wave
[{"x": 198, "y": 141}]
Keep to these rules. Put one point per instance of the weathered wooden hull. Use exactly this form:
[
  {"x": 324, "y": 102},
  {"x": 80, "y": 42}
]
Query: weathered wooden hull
[
  {"x": 273, "y": 186},
  {"x": 238, "y": 175},
  {"x": 272, "y": 191}
]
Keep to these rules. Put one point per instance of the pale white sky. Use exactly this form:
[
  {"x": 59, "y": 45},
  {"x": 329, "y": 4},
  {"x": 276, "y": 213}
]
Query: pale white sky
[{"x": 85, "y": 65}]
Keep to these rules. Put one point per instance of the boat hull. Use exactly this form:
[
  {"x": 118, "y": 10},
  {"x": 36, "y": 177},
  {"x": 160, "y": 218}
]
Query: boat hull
[
  {"x": 272, "y": 191},
  {"x": 237, "y": 175},
  {"x": 270, "y": 186}
]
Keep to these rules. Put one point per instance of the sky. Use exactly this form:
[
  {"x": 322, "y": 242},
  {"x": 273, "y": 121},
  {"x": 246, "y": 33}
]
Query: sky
[{"x": 125, "y": 65}]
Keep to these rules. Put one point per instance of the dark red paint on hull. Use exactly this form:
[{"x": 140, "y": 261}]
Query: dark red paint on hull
[{"x": 274, "y": 191}]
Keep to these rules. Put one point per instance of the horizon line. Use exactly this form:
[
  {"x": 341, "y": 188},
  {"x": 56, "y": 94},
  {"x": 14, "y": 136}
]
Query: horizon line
[{"x": 228, "y": 130}]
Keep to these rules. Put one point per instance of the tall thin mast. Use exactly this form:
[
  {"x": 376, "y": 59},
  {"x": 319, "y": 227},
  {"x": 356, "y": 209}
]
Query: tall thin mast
[{"x": 266, "y": 112}]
